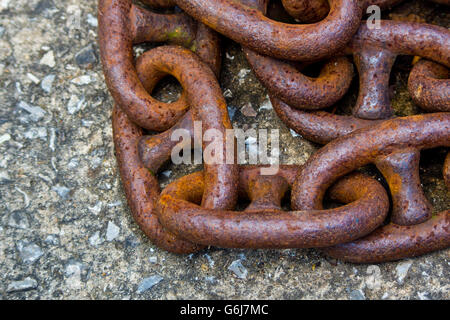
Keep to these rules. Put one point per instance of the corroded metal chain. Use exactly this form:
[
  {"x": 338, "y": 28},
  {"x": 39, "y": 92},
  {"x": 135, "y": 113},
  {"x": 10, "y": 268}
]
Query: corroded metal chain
[
  {"x": 122, "y": 24},
  {"x": 198, "y": 210},
  {"x": 393, "y": 146}
]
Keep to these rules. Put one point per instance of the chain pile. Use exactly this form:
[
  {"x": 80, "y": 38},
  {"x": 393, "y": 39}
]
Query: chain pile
[{"x": 197, "y": 210}]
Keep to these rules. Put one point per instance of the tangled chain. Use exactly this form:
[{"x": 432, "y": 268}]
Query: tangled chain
[{"x": 197, "y": 210}]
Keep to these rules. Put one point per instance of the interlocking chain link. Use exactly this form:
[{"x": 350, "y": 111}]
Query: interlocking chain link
[{"x": 198, "y": 210}]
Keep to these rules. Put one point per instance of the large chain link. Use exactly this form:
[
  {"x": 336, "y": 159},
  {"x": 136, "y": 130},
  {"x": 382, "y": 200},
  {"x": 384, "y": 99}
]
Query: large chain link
[{"x": 197, "y": 210}]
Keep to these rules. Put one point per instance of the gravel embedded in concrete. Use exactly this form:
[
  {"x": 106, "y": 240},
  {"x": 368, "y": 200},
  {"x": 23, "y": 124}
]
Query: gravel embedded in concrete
[{"x": 62, "y": 199}]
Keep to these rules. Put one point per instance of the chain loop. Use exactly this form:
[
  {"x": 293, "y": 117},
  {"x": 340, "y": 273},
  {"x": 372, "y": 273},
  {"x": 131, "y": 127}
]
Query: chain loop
[
  {"x": 241, "y": 22},
  {"x": 198, "y": 210},
  {"x": 122, "y": 24}
]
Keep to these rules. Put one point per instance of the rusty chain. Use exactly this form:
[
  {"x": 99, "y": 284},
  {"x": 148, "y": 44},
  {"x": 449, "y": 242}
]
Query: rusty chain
[{"x": 198, "y": 210}]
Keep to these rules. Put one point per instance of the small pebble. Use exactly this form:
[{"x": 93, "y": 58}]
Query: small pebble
[
  {"x": 210, "y": 279},
  {"x": 18, "y": 219},
  {"x": 35, "y": 133},
  {"x": 52, "y": 239},
  {"x": 5, "y": 137},
  {"x": 402, "y": 270},
  {"x": 51, "y": 143},
  {"x": 47, "y": 83},
  {"x": 75, "y": 104},
  {"x": 92, "y": 21},
  {"x": 73, "y": 163},
  {"x": 210, "y": 260},
  {"x": 167, "y": 173},
  {"x": 22, "y": 285},
  {"x": 95, "y": 239},
  {"x": 62, "y": 191},
  {"x": 48, "y": 59},
  {"x": 266, "y": 105},
  {"x": 293, "y": 133},
  {"x": 228, "y": 94},
  {"x": 43, "y": 6},
  {"x": 424, "y": 295},
  {"x": 73, "y": 268},
  {"x": 33, "y": 78},
  {"x": 35, "y": 113},
  {"x": 73, "y": 273},
  {"x": 87, "y": 123},
  {"x": 131, "y": 242},
  {"x": 149, "y": 283},
  {"x": 115, "y": 204},
  {"x": 239, "y": 270},
  {"x": 242, "y": 74},
  {"x": 357, "y": 295},
  {"x": 231, "y": 112},
  {"x": 248, "y": 111},
  {"x": 86, "y": 57},
  {"x": 112, "y": 231},
  {"x": 97, "y": 208},
  {"x": 29, "y": 252},
  {"x": 82, "y": 80},
  {"x": 229, "y": 56},
  {"x": 4, "y": 175}
]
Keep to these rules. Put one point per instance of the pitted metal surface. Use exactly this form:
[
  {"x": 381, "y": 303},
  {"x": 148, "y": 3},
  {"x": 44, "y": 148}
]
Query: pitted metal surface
[{"x": 197, "y": 210}]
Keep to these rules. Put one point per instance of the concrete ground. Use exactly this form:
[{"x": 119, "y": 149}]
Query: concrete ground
[{"x": 65, "y": 228}]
